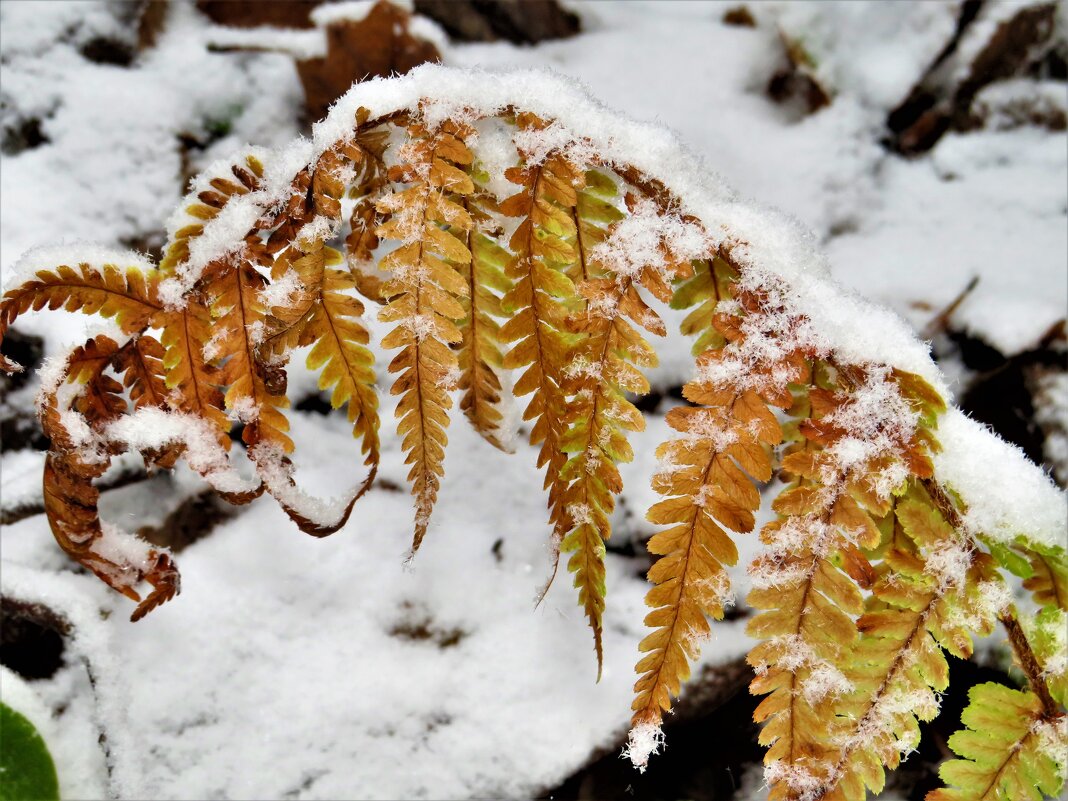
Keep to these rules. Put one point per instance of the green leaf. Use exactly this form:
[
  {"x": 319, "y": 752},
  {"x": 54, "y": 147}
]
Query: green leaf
[
  {"x": 1010, "y": 560},
  {"x": 1046, "y": 633},
  {"x": 1004, "y": 752},
  {"x": 26, "y": 768}
]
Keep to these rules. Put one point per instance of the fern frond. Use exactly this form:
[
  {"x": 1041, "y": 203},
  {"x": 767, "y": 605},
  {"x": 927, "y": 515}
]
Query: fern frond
[
  {"x": 708, "y": 479},
  {"x": 1048, "y": 582},
  {"x": 205, "y": 203},
  {"x": 422, "y": 299},
  {"x": 192, "y": 375},
  {"x": 706, "y": 482},
  {"x": 709, "y": 285},
  {"x": 932, "y": 592},
  {"x": 707, "y": 475},
  {"x": 238, "y": 314},
  {"x": 479, "y": 354},
  {"x": 141, "y": 363},
  {"x": 365, "y": 218},
  {"x": 593, "y": 215},
  {"x": 1047, "y": 633},
  {"x": 1008, "y": 749},
  {"x": 341, "y": 354},
  {"x": 808, "y": 632},
  {"x": 75, "y": 460},
  {"x": 602, "y": 371},
  {"x": 806, "y": 583},
  {"x": 301, "y": 268},
  {"x": 128, "y": 295},
  {"x": 542, "y": 296},
  {"x": 100, "y": 400}
]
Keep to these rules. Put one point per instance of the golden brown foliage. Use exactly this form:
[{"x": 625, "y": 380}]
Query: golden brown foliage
[
  {"x": 422, "y": 295},
  {"x": 544, "y": 291}
]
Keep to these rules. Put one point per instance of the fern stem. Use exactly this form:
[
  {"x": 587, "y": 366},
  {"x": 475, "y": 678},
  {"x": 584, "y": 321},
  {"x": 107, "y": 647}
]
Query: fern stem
[{"x": 1029, "y": 662}]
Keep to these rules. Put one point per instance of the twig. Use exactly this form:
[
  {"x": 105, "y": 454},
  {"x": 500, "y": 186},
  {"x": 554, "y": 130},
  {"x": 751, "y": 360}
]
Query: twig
[{"x": 940, "y": 322}]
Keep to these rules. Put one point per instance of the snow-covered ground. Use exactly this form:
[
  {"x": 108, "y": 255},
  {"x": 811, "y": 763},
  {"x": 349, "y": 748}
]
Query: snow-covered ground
[{"x": 301, "y": 668}]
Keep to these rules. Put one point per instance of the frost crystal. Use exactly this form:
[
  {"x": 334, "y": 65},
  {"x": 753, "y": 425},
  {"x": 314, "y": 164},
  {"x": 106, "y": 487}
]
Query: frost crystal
[
  {"x": 804, "y": 783},
  {"x": 644, "y": 740},
  {"x": 1053, "y": 740},
  {"x": 948, "y": 565},
  {"x": 650, "y": 238},
  {"x": 281, "y": 291}
]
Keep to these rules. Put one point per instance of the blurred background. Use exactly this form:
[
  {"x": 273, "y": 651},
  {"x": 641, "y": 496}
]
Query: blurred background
[{"x": 924, "y": 145}]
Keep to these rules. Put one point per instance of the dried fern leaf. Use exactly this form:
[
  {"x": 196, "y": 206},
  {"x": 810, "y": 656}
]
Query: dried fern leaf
[
  {"x": 706, "y": 492},
  {"x": 71, "y": 507},
  {"x": 1008, "y": 749},
  {"x": 205, "y": 203},
  {"x": 709, "y": 285},
  {"x": 603, "y": 370},
  {"x": 422, "y": 295},
  {"x": 808, "y": 584},
  {"x": 364, "y": 218},
  {"x": 190, "y": 372},
  {"x": 127, "y": 295},
  {"x": 237, "y": 314},
  {"x": 855, "y": 449},
  {"x": 542, "y": 296},
  {"x": 292, "y": 298},
  {"x": 340, "y": 352},
  {"x": 141, "y": 362},
  {"x": 479, "y": 356},
  {"x": 74, "y": 461},
  {"x": 255, "y": 394},
  {"x": 100, "y": 401},
  {"x": 707, "y": 480}
]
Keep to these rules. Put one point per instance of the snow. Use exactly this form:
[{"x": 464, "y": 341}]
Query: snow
[
  {"x": 647, "y": 238},
  {"x": 1015, "y": 103},
  {"x": 94, "y": 671},
  {"x": 467, "y": 719},
  {"x": 872, "y": 51},
  {"x": 948, "y": 565},
  {"x": 300, "y": 666},
  {"x": 277, "y": 477},
  {"x": 1012, "y": 190},
  {"x": 645, "y": 740},
  {"x": 150, "y": 428},
  {"x": 1021, "y": 503},
  {"x": 281, "y": 291},
  {"x": 300, "y": 44}
]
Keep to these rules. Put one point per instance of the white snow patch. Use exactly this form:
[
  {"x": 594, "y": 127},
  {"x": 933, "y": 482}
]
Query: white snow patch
[
  {"x": 1005, "y": 495},
  {"x": 643, "y": 741},
  {"x": 301, "y": 44}
]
